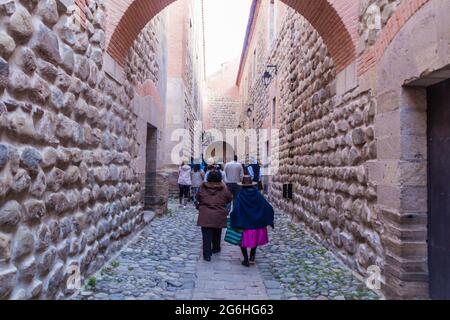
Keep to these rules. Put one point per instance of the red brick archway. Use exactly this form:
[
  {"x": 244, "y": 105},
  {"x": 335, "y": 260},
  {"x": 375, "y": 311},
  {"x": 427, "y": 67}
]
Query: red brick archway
[{"x": 335, "y": 20}]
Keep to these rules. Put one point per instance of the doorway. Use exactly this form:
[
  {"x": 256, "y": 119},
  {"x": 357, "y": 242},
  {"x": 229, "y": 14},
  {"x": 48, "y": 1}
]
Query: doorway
[
  {"x": 439, "y": 189},
  {"x": 150, "y": 166}
]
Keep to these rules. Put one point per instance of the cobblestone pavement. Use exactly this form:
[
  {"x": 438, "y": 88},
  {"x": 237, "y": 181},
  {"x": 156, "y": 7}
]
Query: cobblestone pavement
[
  {"x": 163, "y": 262},
  {"x": 296, "y": 267},
  {"x": 226, "y": 279}
]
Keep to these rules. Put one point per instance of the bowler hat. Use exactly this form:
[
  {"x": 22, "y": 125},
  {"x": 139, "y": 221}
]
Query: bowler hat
[{"x": 247, "y": 181}]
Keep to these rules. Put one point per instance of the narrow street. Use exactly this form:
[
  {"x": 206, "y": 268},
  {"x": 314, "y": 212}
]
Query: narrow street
[{"x": 163, "y": 262}]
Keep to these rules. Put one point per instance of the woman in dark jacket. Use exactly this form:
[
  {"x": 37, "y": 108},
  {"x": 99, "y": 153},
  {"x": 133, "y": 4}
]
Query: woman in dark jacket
[
  {"x": 252, "y": 213},
  {"x": 213, "y": 198}
]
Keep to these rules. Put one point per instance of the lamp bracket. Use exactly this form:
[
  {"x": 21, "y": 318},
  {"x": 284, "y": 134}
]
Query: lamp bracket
[{"x": 273, "y": 66}]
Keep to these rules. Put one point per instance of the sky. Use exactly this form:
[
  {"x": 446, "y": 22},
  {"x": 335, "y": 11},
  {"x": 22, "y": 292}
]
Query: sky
[{"x": 225, "y": 27}]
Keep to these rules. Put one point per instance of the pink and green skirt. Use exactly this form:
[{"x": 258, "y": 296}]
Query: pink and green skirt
[{"x": 255, "y": 238}]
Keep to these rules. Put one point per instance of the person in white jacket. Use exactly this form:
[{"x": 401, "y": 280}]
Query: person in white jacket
[{"x": 184, "y": 183}]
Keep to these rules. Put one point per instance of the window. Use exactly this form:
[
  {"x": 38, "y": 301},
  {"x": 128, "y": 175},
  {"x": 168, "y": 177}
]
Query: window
[
  {"x": 267, "y": 154},
  {"x": 254, "y": 65},
  {"x": 287, "y": 191},
  {"x": 274, "y": 111}
]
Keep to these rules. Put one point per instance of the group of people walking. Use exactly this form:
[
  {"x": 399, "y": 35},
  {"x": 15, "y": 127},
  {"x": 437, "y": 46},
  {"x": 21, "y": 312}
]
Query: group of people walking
[{"x": 229, "y": 198}]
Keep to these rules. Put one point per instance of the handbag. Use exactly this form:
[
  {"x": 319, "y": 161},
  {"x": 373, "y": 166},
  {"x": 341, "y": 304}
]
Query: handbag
[{"x": 233, "y": 235}]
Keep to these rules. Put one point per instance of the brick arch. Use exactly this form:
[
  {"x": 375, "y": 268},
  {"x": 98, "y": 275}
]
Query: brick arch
[{"x": 335, "y": 20}]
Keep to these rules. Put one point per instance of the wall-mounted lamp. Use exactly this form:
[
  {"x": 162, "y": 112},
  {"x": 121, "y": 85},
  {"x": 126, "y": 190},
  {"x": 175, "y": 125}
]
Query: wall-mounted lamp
[
  {"x": 267, "y": 76},
  {"x": 250, "y": 110}
]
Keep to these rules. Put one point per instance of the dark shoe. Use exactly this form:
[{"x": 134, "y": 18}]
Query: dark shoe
[
  {"x": 216, "y": 251},
  {"x": 252, "y": 259},
  {"x": 207, "y": 259},
  {"x": 246, "y": 263}
]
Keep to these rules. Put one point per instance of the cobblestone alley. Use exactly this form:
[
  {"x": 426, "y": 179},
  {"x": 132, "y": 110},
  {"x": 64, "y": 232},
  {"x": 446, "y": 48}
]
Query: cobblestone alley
[{"x": 163, "y": 262}]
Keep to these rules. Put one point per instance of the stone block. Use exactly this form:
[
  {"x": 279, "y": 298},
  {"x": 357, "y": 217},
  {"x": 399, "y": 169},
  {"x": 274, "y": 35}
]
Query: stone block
[
  {"x": 5, "y": 247},
  {"x": 31, "y": 159},
  {"x": 3, "y": 155},
  {"x": 388, "y": 101},
  {"x": 389, "y": 196},
  {"x": 4, "y": 74},
  {"x": 48, "y": 11},
  {"x": 388, "y": 124},
  {"x": 413, "y": 173},
  {"x": 20, "y": 25},
  {"x": 27, "y": 269},
  {"x": 7, "y": 7},
  {"x": 7, "y": 281},
  {"x": 10, "y": 214},
  {"x": 414, "y": 148},
  {"x": 27, "y": 60},
  {"x": 64, "y": 5},
  {"x": 23, "y": 243},
  {"x": 34, "y": 210},
  {"x": 413, "y": 122},
  {"x": 7, "y": 45},
  {"x": 54, "y": 280},
  {"x": 46, "y": 44},
  {"x": 57, "y": 203},
  {"x": 414, "y": 199},
  {"x": 389, "y": 148}
]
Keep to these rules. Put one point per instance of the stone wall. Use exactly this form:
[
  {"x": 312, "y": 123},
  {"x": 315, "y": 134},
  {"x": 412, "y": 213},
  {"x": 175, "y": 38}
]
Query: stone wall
[
  {"x": 68, "y": 194},
  {"x": 146, "y": 69},
  {"x": 326, "y": 146},
  {"x": 373, "y": 16},
  {"x": 222, "y": 111},
  {"x": 146, "y": 58},
  {"x": 222, "y": 107}
]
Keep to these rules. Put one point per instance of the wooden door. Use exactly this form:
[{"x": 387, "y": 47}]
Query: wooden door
[{"x": 439, "y": 190}]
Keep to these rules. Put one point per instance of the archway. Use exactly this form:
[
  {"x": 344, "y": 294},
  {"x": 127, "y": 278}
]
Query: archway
[
  {"x": 335, "y": 20},
  {"x": 220, "y": 151}
]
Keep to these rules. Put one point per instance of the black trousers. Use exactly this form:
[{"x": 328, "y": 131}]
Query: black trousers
[
  {"x": 245, "y": 253},
  {"x": 184, "y": 191},
  {"x": 234, "y": 188},
  {"x": 211, "y": 241}
]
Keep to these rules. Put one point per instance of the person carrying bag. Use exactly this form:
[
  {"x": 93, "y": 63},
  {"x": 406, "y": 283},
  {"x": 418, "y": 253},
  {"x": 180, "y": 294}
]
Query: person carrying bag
[{"x": 252, "y": 213}]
